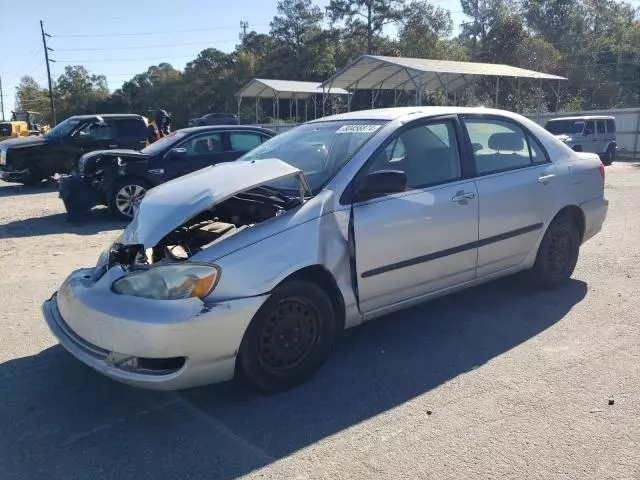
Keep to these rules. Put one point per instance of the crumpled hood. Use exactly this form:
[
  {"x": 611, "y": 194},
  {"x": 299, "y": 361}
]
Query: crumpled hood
[
  {"x": 23, "y": 142},
  {"x": 167, "y": 206}
]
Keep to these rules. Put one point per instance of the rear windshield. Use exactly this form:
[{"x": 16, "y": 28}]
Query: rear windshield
[{"x": 558, "y": 127}]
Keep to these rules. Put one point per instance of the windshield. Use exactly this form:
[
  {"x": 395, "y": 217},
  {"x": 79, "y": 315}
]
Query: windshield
[
  {"x": 558, "y": 127},
  {"x": 63, "y": 129},
  {"x": 320, "y": 149},
  {"x": 164, "y": 143}
]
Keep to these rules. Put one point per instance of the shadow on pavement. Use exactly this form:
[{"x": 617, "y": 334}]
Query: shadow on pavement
[
  {"x": 97, "y": 220},
  {"x": 62, "y": 420}
]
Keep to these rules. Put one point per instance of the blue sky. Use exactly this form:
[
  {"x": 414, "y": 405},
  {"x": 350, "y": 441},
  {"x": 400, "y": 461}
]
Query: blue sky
[{"x": 122, "y": 38}]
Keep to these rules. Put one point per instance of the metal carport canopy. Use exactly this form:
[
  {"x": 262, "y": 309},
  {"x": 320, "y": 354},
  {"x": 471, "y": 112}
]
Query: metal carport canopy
[
  {"x": 400, "y": 73},
  {"x": 283, "y": 89}
]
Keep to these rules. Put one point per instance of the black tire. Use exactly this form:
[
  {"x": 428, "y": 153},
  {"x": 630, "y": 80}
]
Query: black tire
[
  {"x": 557, "y": 254},
  {"x": 138, "y": 188},
  {"x": 289, "y": 338}
]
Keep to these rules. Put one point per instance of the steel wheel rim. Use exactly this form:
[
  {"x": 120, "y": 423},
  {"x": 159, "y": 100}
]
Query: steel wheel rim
[
  {"x": 559, "y": 252},
  {"x": 128, "y": 199},
  {"x": 288, "y": 335}
]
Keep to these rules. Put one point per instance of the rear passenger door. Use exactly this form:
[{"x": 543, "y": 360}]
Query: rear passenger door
[
  {"x": 600, "y": 138},
  {"x": 516, "y": 191},
  {"x": 131, "y": 133}
]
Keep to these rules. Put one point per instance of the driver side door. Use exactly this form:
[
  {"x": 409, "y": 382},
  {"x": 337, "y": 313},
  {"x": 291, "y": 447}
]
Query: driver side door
[{"x": 423, "y": 239}]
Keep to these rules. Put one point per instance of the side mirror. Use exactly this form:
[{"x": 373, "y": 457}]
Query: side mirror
[
  {"x": 177, "y": 153},
  {"x": 383, "y": 182}
]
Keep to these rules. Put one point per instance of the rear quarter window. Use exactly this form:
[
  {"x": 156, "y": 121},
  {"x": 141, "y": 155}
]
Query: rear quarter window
[
  {"x": 611, "y": 126},
  {"x": 131, "y": 128}
]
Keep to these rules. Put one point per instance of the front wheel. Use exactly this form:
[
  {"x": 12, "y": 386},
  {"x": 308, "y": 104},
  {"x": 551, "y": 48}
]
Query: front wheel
[
  {"x": 557, "y": 254},
  {"x": 289, "y": 338},
  {"x": 125, "y": 197}
]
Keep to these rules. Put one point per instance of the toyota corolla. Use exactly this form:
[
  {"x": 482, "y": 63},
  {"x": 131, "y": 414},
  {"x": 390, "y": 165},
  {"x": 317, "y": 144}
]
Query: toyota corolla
[{"x": 252, "y": 268}]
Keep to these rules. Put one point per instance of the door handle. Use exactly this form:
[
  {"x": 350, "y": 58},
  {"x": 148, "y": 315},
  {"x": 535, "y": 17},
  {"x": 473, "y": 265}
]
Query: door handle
[
  {"x": 113, "y": 146},
  {"x": 461, "y": 197},
  {"x": 545, "y": 178}
]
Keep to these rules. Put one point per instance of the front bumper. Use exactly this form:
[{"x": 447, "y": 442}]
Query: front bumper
[
  {"x": 9, "y": 175},
  {"x": 119, "y": 335}
]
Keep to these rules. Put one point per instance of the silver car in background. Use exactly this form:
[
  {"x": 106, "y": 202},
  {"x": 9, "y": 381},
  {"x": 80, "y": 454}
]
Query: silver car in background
[{"x": 253, "y": 267}]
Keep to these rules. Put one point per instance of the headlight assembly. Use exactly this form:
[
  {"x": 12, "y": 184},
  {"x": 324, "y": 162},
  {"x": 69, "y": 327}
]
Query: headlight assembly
[{"x": 169, "y": 282}]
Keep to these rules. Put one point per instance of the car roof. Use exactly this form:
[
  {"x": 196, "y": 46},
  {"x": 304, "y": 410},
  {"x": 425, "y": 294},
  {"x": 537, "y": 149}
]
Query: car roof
[
  {"x": 209, "y": 128},
  {"x": 415, "y": 112},
  {"x": 585, "y": 117},
  {"x": 108, "y": 115}
]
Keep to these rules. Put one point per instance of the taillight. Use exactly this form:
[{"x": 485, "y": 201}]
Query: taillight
[{"x": 601, "y": 170}]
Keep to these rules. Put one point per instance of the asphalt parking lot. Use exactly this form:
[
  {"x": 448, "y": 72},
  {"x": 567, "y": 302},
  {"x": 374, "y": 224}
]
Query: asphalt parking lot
[{"x": 496, "y": 382}]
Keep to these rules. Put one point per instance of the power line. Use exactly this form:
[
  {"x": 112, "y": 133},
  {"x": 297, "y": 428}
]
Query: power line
[
  {"x": 137, "y": 34},
  {"x": 144, "y": 47}
]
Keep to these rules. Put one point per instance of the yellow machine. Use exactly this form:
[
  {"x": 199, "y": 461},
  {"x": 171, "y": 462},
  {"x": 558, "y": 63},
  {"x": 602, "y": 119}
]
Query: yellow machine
[{"x": 22, "y": 124}]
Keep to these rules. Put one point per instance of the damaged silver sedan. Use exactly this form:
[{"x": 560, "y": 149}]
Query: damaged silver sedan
[{"x": 251, "y": 268}]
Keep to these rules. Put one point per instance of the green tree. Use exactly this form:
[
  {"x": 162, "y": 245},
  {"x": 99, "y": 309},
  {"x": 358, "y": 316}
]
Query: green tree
[
  {"x": 78, "y": 92},
  {"x": 423, "y": 29},
  {"x": 31, "y": 96},
  {"x": 372, "y": 14},
  {"x": 296, "y": 23}
]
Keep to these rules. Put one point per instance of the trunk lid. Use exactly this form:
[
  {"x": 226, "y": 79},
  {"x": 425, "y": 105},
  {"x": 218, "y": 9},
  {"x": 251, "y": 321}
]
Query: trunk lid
[{"x": 167, "y": 206}]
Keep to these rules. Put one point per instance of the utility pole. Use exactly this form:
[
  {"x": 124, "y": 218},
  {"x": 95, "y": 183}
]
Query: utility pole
[
  {"x": 46, "y": 58},
  {"x": 1, "y": 100},
  {"x": 243, "y": 26}
]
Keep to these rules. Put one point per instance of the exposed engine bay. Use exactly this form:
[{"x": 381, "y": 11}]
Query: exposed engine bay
[{"x": 228, "y": 218}]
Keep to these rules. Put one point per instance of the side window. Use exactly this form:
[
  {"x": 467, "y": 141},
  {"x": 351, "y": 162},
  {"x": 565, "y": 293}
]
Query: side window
[
  {"x": 428, "y": 154},
  {"x": 589, "y": 127},
  {"x": 600, "y": 127},
  {"x": 131, "y": 128},
  {"x": 498, "y": 145},
  {"x": 203, "y": 144},
  {"x": 537, "y": 153},
  {"x": 244, "y": 141},
  {"x": 611, "y": 126},
  {"x": 96, "y": 131}
]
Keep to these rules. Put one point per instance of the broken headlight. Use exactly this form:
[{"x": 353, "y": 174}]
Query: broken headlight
[{"x": 169, "y": 282}]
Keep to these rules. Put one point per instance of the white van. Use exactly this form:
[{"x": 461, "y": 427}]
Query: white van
[{"x": 594, "y": 134}]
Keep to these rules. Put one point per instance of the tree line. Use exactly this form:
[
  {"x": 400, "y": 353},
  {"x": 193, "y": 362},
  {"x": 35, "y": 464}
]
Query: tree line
[{"x": 595, "y": 43}]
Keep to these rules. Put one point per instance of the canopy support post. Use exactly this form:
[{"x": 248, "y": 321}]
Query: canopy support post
[
  {"x": 539, "y": 98},
  {"x": 519, "y": 103},
  {"x": 497, "y": 91},
  {"x": 444, "y": 89},
  {"x": 239, "y": 102},
  {"x": 257, "y": 102}
]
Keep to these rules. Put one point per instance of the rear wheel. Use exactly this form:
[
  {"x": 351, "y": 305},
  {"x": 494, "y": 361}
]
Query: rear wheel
[
  {"x": 557, "y": 254},
  {"x": 289, "y": 338},
  {"x": 125, "y": 197}
]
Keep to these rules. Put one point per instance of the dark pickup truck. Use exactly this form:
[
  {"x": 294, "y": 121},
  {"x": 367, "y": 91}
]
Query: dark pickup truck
[{"x": 30, "y": 160}]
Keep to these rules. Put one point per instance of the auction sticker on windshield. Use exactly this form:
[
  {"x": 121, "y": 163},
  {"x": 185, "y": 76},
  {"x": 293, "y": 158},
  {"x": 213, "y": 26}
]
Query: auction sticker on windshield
[{"x": 358, "y": 129}]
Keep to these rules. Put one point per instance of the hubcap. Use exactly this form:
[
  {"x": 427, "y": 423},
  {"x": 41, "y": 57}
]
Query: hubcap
[
  {"x": 559, "y": 252},
  {"x": 128, "y": 199},
  {"x": 288, "y": 335}
]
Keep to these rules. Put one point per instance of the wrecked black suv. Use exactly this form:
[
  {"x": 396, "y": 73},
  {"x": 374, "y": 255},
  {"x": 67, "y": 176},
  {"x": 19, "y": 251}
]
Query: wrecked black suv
[
  {"x": 120, "y": 178},
  {"x": 29, "y": 160}
]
